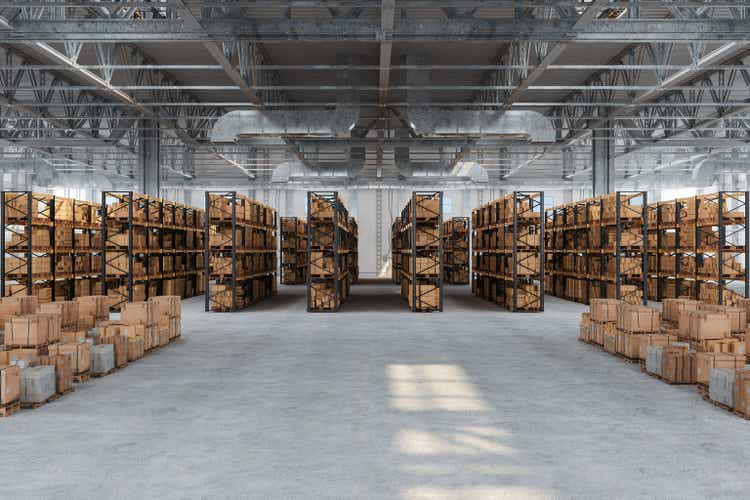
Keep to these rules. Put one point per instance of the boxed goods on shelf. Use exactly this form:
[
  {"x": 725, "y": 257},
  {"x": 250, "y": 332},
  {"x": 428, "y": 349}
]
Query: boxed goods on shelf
[{"x": 332, "y": 269}]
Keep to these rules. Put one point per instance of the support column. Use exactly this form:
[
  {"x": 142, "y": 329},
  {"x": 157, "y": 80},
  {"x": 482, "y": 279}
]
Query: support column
[
  {"x": 148, "y": 157},
  {"x": 603, "y": 160}
]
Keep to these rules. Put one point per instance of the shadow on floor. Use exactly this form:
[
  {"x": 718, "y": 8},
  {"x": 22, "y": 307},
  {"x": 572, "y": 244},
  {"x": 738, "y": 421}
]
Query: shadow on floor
[
  {"x": 369, "y": 295},
  {"x": 459, "y": 297}
]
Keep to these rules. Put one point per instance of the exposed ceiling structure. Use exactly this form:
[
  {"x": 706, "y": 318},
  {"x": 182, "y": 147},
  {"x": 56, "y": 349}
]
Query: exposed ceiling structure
[{"x": 370, "y": 92}]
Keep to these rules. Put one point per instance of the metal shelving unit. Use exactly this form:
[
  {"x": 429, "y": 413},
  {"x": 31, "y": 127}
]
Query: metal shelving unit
[
  {"x": 28, "y": 260},
  {"x": 419, "y": 251},
  {"x": 240, "y": 251},
  {"x": 508, "y": 251},
  {"x": 599, "y": 248},
  {"x": 293, "y": 251},
  {"x": 456, "y": 251},
  {"x": 330, "y": 251}
]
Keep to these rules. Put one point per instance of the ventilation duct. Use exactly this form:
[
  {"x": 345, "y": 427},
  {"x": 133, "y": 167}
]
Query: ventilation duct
[
  {"x": 523, "y": 126},
  {"x": 252, "y": 123}
]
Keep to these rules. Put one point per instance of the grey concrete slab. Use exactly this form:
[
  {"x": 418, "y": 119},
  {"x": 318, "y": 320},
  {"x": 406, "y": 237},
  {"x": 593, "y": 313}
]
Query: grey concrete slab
[{"x": 376, "y": 402}]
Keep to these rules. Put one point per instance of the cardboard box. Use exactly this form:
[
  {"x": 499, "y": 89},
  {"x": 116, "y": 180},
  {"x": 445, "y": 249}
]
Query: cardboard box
[
  {"x": 604, "y": 310},
  {"x": 742, "y": 393},
  {"x": 10, "y": 384},
  {"x": 67, "y": 310},
  {"x": 168, "y": 305},
  {"x": 85, "y": 322},
  {"x": 120, "y": 346},
  {"x": 706, "y": 361},
  {"x": 175, "y": 327},
  {"x": 94, "y": 305},
  {"x": 672, "y": 309},
  {"x": 73, "y": 336},
  {"x": 63, "y": 371},
  {"x": 610, "y": 341},
  {"x": 678, "y": 365},
  {"x": 629, "y": 344},
  {"x": 652, "y": 339},
  {"x": 737, "y": 315},
  {"x": 141, "y": 313},
  {"x": 705, "y": 325},
  {"x": 632, "y": 318},
  {"x": 79, "y": 354},
  {"x": 136, "y": 348},
  {"x": 26, "y": 331},
  {"x": 52, "y": 323},
  {"x": 29, "y": 356}
]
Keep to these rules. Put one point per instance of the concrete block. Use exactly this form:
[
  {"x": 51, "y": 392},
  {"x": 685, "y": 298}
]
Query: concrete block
[
  {"x": 102, "y": 358},
  {"x": 37, "y": 384}
]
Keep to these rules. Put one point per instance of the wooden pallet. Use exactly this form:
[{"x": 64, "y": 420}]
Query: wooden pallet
[
  {"x": 627, "y": 359},
  {"x": 9, "y": 409},
  {"x": 33, "y": 406},
  {"x": 702, "y": 389},
  {"x": 82, "y": 377},
  {"x": 100, "y": 375},
  {"x": 67, "y": 391},
  {"x": 659, "y": 377}
]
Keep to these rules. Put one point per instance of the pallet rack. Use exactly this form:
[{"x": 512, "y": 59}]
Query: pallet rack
[
  {"x": 240, "y": 251},
  {"x": 354, "y": 261},
  {"x": 508, "y": 251},
  {"x": 395, "y": 252},
  {"x": 331, "y": 243},
  {"x": 293, "y": 251},
  {"x": 456, "y": 251},
  {"x": 28, "y": 259},
  {"x": 598, "y": 247},
  {"x": 86, "y": 247},
  {"x": 419, "y": 251},
  {"x": 694, "y": 239}
]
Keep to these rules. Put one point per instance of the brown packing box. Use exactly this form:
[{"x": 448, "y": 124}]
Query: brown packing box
[
  {"x": 163, "y": 336},
  {"x": 26, "y": 331},
  {"x": 31, "y": 356},
  {"x": 51, "y": 321},
  {"x": 72, "y": 336},
  {"x": 120, "y": 345},
  {"x": 81, "y": 353},
  {"x": 737, "y": 315},
  {"x": 652, "y": 339},
  {"x": 584, "y": 330},
  {"x": 674, "y": 308},
  {"x": 67, "y": 310},
  {"x": 10, "y": 384},
  {"x": 94, "y": 305},
  {"x": 632, "y": 318},
  {"x": 704, "y": 325},
  {"x": 742, "y": 393},
  {"x": 604, "y": 310},
  {"x": 85, "y": 322},
  {"x": 24, "y": 304},
  {"x": 168, "y": 305},
  {"x": 610, "y": 341},
  {"x": 143, "y": 313},
  {"x": 63, "y": 364},
  {"x": 677, "y": 365},
  {"x": 8, "y": 309},
  {"x": 136, "y": 348},
  {"x": 175, "y": 328},
  {"x": 706, "y": 361},
  {"x": 629, "y": 344}
]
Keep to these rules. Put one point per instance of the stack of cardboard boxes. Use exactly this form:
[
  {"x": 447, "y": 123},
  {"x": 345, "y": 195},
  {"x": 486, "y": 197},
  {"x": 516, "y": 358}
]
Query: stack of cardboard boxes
[
  {"x": 62, "y": 335},
  {"x": 687, "y": 345}
]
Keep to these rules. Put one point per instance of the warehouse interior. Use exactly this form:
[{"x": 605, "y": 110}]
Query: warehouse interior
[{"x": 413, "y": 249}]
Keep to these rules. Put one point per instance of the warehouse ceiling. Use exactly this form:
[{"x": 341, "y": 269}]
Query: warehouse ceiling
[{"x": 669, "y": 80}]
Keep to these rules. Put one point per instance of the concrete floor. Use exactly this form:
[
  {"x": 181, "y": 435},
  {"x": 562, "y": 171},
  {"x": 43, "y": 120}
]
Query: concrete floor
[{"x": 376, "y": 402}]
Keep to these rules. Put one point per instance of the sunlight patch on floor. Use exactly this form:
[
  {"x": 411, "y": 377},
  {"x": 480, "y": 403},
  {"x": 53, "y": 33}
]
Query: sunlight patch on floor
[{"x": 445, "y": 387}]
